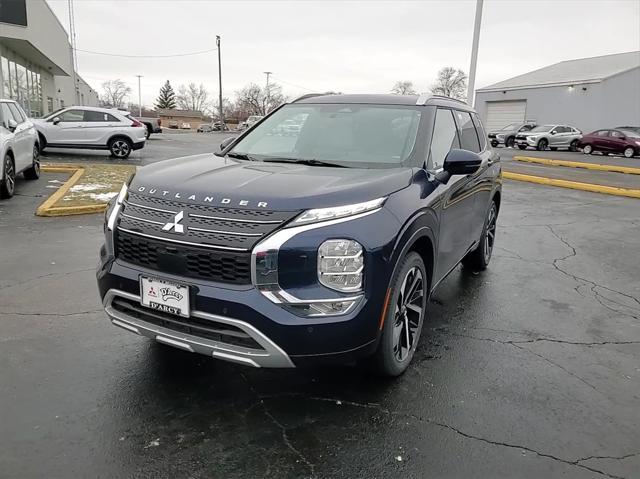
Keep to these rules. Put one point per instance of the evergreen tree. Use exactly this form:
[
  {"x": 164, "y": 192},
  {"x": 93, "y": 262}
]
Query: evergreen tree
[{"x": 167, "y": 97}]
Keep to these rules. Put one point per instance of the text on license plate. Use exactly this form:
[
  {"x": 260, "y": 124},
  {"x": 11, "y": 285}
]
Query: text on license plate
[{"x": 164, "y": 296}]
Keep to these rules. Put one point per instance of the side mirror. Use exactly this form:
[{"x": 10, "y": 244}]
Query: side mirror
[
  {"x": 11, "y": 124},
  {"x": 553, "y": 132},
  {"x": 461, "y": 162},
  {"x": 225, "y": 144},
  {"x": 56, "y": 120}
]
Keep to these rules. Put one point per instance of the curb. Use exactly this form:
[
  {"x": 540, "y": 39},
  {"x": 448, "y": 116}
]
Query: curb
[
  {"x": 575, "y": 185},
  {"x": 579, "y": 164},
  {"x": 47, "y": 208}
]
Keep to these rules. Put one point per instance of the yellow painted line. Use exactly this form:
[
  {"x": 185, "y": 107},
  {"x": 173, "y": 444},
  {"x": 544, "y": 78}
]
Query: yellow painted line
[
  {"x": 579, "y": 164},
  {"x": 47, "y": 208},
  {"x": 575, "y": 185}
]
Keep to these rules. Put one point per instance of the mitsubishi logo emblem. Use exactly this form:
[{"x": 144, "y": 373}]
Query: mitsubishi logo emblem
[{"x": 175, "y": 224}]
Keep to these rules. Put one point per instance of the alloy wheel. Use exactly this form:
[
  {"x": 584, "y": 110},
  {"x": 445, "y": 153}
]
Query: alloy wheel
[
  {"x": 628, "y": 152},
  {"x": 120, "y": 148},
  {"x": 490, "y": 233},
  {"x": 587, "y": 149},
  {"x": 36, "y": 159},
  {"x": 408, "y": 313},
  {"x": 9, "y": 176}
]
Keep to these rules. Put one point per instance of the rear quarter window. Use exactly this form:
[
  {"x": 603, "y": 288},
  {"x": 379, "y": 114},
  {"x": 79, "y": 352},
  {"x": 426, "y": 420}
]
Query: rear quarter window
[{"x": 468, "y": 136}]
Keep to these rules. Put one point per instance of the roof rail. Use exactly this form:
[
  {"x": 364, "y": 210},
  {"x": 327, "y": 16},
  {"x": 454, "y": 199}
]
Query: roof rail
[
  {"x": 425, "y": 97},
  {"x": 308, "y": 95}
]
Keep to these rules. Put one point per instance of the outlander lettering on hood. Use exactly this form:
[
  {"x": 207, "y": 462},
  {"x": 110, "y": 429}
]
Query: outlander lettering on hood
[{"x": 205, "y": 198}]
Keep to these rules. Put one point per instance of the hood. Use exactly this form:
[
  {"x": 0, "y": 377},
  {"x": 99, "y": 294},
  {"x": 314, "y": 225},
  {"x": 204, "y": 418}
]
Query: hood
[{"x": 212, "y": 180}]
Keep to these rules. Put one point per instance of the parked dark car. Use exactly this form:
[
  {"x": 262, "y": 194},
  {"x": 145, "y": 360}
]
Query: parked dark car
[
  {"x": 323, "y": 246},
  {"x": 615, "y": 141}
]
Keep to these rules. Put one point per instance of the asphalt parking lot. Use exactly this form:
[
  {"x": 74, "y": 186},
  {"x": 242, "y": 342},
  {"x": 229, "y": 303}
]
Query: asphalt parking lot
[{"x": 531, "y": 369}]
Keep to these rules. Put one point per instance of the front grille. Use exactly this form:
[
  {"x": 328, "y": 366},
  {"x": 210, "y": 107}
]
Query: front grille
[
  {"x": 204, "y": 328},
  {"x": 521, "y": 137},
  {"x": 191, "y": 262},
  {"x": 492, "y": 135},
  {"x": 212, "y": 243}
]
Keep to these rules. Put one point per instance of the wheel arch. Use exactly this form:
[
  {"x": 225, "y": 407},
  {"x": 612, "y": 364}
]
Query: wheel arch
[{"x": 118, "y": 136}]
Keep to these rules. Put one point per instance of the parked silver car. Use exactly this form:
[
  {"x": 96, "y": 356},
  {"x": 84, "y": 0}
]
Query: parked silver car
[
  {"x": 507, "y": 136},
  {"x": 550, "y": 136}
]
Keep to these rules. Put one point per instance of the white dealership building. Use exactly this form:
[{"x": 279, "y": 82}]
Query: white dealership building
[
  {"x": 36, "y": 61},
  {"x": 588, "y": 93}
]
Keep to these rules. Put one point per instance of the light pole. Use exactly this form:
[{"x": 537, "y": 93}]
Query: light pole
[
  {"x": 220, "y": 83},
  {"x": 474, "y": 52},
  {"x": 268, "y": 93},
  {"x": 139, "y": 96}
]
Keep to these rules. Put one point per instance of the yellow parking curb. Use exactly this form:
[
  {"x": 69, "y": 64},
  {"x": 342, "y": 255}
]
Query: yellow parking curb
[
  {"x": 579, "y": 164},
  {"x": 575, "y": 185},
  {"x": 47, "y": 208}
]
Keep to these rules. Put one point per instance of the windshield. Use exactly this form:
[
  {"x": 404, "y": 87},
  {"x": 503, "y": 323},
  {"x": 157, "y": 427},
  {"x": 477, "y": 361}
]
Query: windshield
[
  {"x": 358, "y": 136},
  {"x": 51, "y": 115},
  {"x": 512, "y": 126},
  {"x": 542, "y": 128}
]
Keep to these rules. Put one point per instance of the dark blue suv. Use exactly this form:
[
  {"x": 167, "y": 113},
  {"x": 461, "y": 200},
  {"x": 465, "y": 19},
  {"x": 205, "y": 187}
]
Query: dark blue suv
[{"x": 316, "y": 235}]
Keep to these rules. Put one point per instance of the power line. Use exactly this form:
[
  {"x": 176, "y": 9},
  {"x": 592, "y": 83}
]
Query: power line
[{"x": 148, "y": 56}]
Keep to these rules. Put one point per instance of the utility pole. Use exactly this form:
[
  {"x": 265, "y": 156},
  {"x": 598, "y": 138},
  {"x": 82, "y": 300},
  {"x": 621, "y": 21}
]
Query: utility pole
[
  {"x": 72, "y": 47},
  {"x": 220, "y": 83},
  {"x": 268, "y": 93},
  {"x": 474, "y": 52},
  {"x": 139, "y": 96}
]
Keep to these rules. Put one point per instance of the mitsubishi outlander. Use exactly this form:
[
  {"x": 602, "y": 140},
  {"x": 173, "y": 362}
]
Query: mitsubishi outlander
[{"x": 323, "y": 245}]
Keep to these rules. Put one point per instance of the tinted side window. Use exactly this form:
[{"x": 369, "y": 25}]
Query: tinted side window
[
  {"x": 94, "y": 116},
  {"x": 468, "y": 135},
  {"x": 444, "y": 139},
  {"x": 110, "y": 118},
  {"x": 616, "y": 134},
  {"x": 602, "y": 132},
  {"x": 6, "y": 115},
  {"x": 482, "y": 135},
  {"x": 72, "y": 115},
  {"x": 17, "y": 114}
]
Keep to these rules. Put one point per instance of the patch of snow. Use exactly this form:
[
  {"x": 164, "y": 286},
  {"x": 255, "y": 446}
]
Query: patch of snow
[
  {"x": 103, "y": 197},
  {"x": 88, "y": 187},
  {"x": 154, "y": 443}
]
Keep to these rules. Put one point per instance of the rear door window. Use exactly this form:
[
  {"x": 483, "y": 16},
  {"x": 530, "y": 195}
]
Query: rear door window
[
  {"x": 98, "y": 116},
  {"x": 468, "y": 136},
  {"x": 444, "y": 138}
]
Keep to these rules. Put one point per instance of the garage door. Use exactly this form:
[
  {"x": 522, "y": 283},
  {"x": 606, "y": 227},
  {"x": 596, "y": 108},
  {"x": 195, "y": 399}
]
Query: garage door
[{"x": 502, "y": 113}]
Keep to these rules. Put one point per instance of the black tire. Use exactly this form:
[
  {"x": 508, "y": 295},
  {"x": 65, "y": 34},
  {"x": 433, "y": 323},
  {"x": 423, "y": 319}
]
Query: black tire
[
  {"x": 42, "y": 142},
  {"x": 479, "y": 258},
  {"x": 573, "y": 146},
  {"x": 147, "y": 133},
  {"x": 511, "y": 142},
  {"x": 494, "y": 143},
  {"x": 542, "y": 144},
  {"x": 120, "y": 147},
  {"x": 522, "y": 147},
  {"x": 587, "y": 149},
  {"x": 403, "y": 318},
  {"x": 8, "y": 183},
  {"x": 33, "y": 173}
]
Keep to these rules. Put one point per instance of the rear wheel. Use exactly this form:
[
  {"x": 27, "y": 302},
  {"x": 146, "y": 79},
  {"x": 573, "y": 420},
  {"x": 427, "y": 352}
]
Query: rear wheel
[
  {"x": 120, "y": 148},
  {"x": 478, "y": 259},
  {"x": 629, "y": 152},
  {"x": 8, "y": 183},
  {"x": 403, "y": 318},
  {"x": 147, "y": 133},
  {"x": 511, "y": 141},
  {"x": 587, "y": 149},
  {"x": 33, "y": 173},
  {"x": 542, "y": 145},
  {"x": 573, "y": 146}
]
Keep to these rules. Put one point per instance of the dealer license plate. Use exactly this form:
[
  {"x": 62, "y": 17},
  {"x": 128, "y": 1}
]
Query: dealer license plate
[{"x": 164, "y": 296}]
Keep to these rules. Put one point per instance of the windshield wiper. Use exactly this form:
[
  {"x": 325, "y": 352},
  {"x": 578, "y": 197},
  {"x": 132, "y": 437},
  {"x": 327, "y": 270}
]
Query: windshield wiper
[
  {"x": 302, "y": 161},
  {"x": 241, "y": 156}
]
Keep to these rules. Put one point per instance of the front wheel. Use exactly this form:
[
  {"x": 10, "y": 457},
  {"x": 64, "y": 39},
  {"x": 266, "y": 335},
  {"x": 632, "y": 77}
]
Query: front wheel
[
  {"x": 120, "y": 148},
  {"x": 403, "y": 318},
  {"x": 478, "y": 259},
  {"x": 542, "y": 145},
  {"x": 573, "y": 146},
  {"x": 494, "y": 143},
  {"x": 8, "y": 183},
  {"x": 33, "y": 173},
  {"x": 629, "y": 152}
]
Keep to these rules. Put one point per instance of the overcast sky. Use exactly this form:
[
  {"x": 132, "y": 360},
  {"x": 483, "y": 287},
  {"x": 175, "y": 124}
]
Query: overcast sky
[{"x": 353, "y": 47}]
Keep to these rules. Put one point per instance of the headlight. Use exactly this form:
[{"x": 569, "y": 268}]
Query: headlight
[
  {"x": 341, "y": 264},
  {"x": 532, "y": 137},
  {"x": 500, "y": 137},
  {"x": 638, "y": 143},
  {"x": 334, "y": 212}
]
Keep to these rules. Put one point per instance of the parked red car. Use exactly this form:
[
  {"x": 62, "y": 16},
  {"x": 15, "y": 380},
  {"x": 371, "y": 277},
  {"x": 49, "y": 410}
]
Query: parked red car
[{"x": 626, "y": 142}]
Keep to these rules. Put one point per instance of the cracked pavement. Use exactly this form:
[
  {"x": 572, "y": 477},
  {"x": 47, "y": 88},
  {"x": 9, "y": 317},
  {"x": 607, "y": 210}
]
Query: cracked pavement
[{"x": 531, "y": 369}]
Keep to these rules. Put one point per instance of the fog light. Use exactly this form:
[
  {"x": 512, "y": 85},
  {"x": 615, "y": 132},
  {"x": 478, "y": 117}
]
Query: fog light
[{"x": 341, "y": 264}]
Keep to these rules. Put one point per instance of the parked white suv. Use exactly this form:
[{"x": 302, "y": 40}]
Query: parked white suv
[
  {"x": 92, "y": 129},
  {"x": 19, "y": 152}
]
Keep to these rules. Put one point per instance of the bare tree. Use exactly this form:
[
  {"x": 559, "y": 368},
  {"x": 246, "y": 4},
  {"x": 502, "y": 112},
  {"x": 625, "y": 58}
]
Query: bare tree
[
  {"x": 193, "y": 97},
  {"x": 451, "y": 82},
  {"x": 404, "y": 87},
  {"x": 114, "y": 93},
  {"x": 255, "y": 100}
]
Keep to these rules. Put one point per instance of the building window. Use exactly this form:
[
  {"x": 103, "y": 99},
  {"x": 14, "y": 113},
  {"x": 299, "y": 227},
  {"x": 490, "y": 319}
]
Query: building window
[{"x": 49, "y": 104}]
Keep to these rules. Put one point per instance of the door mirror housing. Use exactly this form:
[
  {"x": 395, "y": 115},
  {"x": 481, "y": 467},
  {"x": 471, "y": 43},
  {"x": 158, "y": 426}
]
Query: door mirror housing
[
  {"x": 12, "y": 125},
  {"x": 553, "y": 132},
  {"x": 225, "y": 144},
  {"x": 56, "y": 120},
  {"x": 460, "y": 162}
]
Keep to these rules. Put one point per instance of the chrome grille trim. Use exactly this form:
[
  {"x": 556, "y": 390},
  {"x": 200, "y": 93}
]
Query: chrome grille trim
[
  {"x": 189, "y": 243},
  {"x": 236, "y": 220}
]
